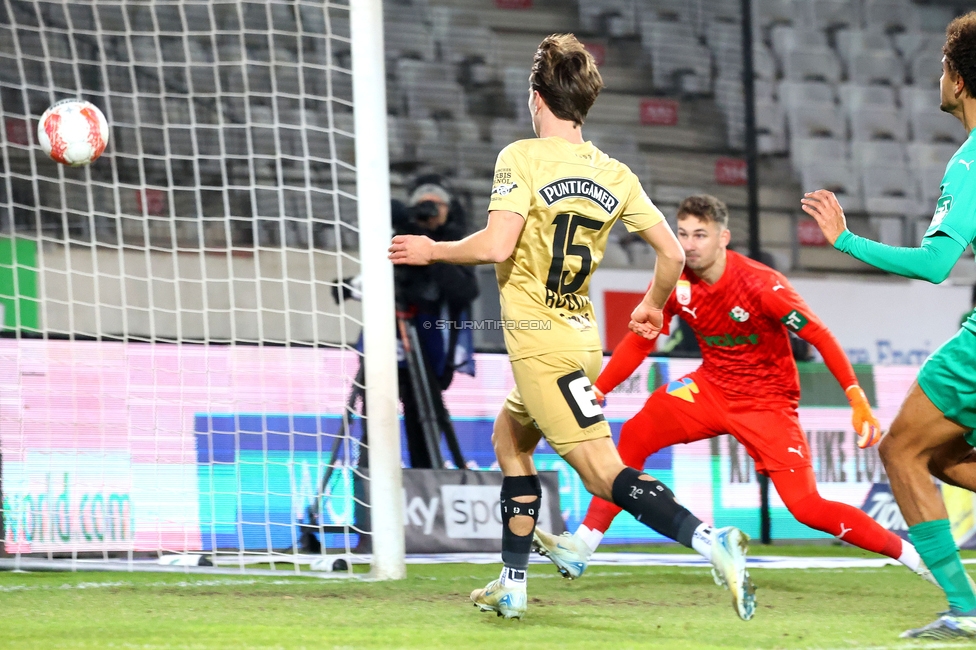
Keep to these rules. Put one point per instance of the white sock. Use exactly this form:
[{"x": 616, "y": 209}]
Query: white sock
[
  {"x": 590, "y": 537},
  {"x": 909, "y": 556},
  {"x": 516, "y": 578},
  {"x": 702, "y": 541}
]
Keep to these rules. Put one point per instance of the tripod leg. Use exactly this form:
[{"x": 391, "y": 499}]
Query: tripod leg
[
  {"x": 358, "y": 391},
  {"x": 421, "y": 387},
  {"x": 447, "y": 426}
]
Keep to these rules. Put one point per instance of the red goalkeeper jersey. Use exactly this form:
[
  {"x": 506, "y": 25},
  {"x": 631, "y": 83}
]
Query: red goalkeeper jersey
[{"x": 742, "y": 323}]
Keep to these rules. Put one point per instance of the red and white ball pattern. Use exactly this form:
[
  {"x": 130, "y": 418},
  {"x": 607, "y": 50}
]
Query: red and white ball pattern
[{"x": 73, "y": 132}]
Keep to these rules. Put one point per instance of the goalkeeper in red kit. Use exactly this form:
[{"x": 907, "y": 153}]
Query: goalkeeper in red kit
[{"x": 747, "y": 386}]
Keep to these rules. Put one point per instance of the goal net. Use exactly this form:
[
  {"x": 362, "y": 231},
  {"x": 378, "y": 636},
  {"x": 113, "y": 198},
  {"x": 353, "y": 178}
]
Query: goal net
[{"x": 181, "y": 367}]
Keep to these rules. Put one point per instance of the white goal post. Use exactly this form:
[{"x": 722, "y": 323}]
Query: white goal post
[{"x": 187, "y": 367}]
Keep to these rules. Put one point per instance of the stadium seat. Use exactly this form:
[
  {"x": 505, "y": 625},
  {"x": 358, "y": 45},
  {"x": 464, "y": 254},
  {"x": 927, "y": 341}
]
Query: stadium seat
[
  {"x": 839, "y": 178},
  {"x": 460, "y": 130},
  {"x": 930, "y": 185},
  {"x": 823, "y": 15},
  {"x": 805, "y": 152},
  {"x": 876, "y": 67},
  {"x": 798, "y": 94},
  {"x": 936, "y": 128},
  {"x": 878, "y": 153},
  {"x": 891, "y": 15},
  {"x": 504, "y": 132},
  {"x": 408, "y": 40},
  {"x": 771, "y": 12},
  {"x": 787, "y": 38},
  {"x": 476, "y": 159},
  {"x": 678, "y": 60},
  {"x": 877, "y": 123},
  {"x": 515, "y": 80},
  {"x": 816, "y": 121},
  {"x": 770, "y": 127},
  {"x": 598, "y": 15},
  {"x": 854, "y": 97},
  {"x": 615, "y": 256},
  {"x": 763, "y": 62},
  {"x": 851, "y": 42},
  {"x": 923, "y": 154},
  {"x": 916, "y": 99},
  {"x": 668, "y": 11},
  {"x": 412, "y": 72},
  {"x": 399, "y": 140},
  {"x": 911, "y": 43},
  {"x": 463, "y": 44},
  {"x": 810, "y": 63},
  {"x": 436, "y": 98},
  {"x": 641, "y": 255},
  {"x": 889, "y": 190},
  {"x": 928, "y": 164},
  {"x": 926, "y": 69},
  {"x": 622, "y": 147}
]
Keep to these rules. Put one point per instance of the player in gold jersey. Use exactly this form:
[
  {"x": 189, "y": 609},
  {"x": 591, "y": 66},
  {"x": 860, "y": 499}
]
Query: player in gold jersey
[{"x": 553, "y": 202}]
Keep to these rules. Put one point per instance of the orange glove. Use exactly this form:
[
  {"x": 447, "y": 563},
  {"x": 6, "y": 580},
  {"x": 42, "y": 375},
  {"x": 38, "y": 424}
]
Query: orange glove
[{"x": 866, "y": 426}]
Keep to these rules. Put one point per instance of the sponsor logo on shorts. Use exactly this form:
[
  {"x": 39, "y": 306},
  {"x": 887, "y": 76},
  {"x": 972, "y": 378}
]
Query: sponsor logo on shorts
[
  {"x": 684, "y": 389},
  {"x": 578, "y": 393}
]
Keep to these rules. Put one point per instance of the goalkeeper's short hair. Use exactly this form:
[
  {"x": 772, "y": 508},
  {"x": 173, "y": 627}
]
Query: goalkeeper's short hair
[
  {"x": 707, "y": 208},
  {"x": 960, "y": 49}
]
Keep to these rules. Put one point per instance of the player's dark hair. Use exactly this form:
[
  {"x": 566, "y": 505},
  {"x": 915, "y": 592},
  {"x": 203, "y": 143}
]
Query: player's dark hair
[
  {"x": 706, "y": 207},
  {"x": 960, "y": 49},
  {"x": 565, "y": 75}
]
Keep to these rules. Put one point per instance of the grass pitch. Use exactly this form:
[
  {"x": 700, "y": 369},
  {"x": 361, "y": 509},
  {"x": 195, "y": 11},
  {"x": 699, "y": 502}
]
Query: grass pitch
[{"x": 611, "y": 607}]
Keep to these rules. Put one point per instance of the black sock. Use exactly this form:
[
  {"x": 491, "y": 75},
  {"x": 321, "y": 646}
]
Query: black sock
[
  {"x": 516, "y": 548},
  {"x": 653, "y": 504}
]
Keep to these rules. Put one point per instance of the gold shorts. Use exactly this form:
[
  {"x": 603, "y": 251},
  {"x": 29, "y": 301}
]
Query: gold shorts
[{"x": 554, "y": 391}]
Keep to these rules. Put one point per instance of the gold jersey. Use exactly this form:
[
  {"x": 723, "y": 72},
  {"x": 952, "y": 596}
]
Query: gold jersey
[{"x": 570, "y": 196}]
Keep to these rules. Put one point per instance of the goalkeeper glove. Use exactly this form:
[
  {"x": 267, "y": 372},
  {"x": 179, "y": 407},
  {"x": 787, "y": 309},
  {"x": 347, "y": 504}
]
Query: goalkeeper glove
[{"x": 866, "y": 426}]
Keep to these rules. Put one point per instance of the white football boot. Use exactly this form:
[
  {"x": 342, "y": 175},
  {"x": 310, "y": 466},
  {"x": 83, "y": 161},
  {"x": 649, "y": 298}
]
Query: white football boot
[
  {"x": 729, "y": 569},
  {"x": 569, "y": 553}
]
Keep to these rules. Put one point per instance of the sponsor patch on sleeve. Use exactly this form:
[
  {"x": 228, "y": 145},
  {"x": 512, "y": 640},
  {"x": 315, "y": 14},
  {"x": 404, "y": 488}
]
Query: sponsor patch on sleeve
[
  {"x": 795, "y": 321},
  {"x": 941, "y": 209}
]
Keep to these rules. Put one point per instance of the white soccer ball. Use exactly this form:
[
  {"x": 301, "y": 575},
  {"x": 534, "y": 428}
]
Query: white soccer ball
[{"x": 73, "y": 132}]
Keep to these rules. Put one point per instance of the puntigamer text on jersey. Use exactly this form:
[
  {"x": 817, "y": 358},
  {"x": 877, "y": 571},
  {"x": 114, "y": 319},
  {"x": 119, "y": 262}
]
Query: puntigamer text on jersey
[{"x": 579, "y": 187}]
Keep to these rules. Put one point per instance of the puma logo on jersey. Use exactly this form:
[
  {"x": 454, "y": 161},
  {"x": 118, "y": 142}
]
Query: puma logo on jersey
[
  {"x": 584, "y": 188},
  {"x": 967, "y": 164},
  {"x": 795, "y": 450},
  {"x": 691, "y": 311},
  {"x": 843, "y": 530},
  {"x": 777, "y": 287}
]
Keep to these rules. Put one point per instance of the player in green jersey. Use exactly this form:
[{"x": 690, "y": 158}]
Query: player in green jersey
[{"x": 933, "y": 434}]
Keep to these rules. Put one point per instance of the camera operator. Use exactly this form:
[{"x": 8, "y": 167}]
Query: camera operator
[{"x": 429, "y": 295}]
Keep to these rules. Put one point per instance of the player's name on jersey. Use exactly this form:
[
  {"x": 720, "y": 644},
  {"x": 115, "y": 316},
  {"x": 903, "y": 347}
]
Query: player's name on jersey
[
  {"x": 571, "y": 301},
  {"x": 586, "y": 188}
]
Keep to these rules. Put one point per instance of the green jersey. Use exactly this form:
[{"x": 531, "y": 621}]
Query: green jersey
[
  {"x": 953, "y": 228},
  {"x": 955, "y": 211}
]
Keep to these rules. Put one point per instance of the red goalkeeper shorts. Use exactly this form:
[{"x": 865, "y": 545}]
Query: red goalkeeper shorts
[{"x": 691, "y": 409}]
